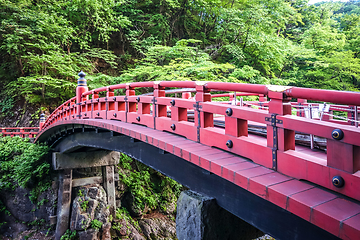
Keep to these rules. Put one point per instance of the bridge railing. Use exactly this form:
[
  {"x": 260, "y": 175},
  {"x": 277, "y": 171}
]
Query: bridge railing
[
  {"x": 277, "y": 151},
  {"x": 23, "y": 132}
]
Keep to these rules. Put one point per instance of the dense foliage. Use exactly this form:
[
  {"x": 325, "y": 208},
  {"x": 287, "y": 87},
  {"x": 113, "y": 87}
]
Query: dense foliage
[
  {"x": 24, "y": 164},
  {"x": 43, "y": 44},
  {"x": 151, "y": 189}
]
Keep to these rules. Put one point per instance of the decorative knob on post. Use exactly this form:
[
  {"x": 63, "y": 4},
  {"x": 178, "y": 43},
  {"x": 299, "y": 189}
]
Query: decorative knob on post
[
  {"x": 82, "y": 81},
  {"x": 42, "y": 121}
]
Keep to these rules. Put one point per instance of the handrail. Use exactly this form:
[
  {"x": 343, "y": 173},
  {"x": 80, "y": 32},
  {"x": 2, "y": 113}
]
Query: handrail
[
  {"x": 24, "y": 132},
  {"x": 347, "y": 98},
  {"x": 273, "y": 112}
]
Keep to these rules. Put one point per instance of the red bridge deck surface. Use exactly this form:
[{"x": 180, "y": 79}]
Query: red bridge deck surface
[
  {"x": 337, "y": 209},
  {"x": 325, "y": 209}
]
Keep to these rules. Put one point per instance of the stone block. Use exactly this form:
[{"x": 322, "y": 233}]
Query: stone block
[
  {"x": 199, "y": 217},
  {"x": 84, "y": 159}
]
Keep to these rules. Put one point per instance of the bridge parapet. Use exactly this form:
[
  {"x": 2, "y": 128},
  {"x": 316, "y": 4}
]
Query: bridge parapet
[
  {"x": 30, "y": 132},
  {"x": 197, "y": 119}
]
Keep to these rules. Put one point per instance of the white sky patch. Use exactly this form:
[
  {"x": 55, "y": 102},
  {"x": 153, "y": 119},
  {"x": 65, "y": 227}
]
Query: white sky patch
[{"x": 316, "y": 1}]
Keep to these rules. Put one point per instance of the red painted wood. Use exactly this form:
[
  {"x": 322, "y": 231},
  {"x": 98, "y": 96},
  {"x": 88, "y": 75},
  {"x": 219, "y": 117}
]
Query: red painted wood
[
  {"x": 350, "y": 228},
  {"x": 320, "y": 128},
  {"x": 302, "y": 203},
  {"x": 343, "y": 157},
  {"x": 208, "y": 161},
  {"x": 329, "y": 215},
  {"x": 279, "y": 193},
  {"x": 350, "y": 98},
  {"x": 228, "y": 171},
  {"x": 242, "y": 176},
  {"x": 236, "y": 127},
  {"x": 259, "y": 185},
  {"x": 238, "y": 112}
]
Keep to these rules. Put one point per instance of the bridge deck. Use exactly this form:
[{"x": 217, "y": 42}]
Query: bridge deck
[
  {"x": 323, "y": 208},
  {"x": 328, "y": 193}
]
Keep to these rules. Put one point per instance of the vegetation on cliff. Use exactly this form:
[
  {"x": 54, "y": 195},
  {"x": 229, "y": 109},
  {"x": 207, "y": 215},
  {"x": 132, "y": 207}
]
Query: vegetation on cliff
[{"x": 43, "y": 44}]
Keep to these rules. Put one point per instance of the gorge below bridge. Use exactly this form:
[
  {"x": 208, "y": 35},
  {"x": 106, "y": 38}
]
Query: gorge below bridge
[{"x": 291, "y": 176}]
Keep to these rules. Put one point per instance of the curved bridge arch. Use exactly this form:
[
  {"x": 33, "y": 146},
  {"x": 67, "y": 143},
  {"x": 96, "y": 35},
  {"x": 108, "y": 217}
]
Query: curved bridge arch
[
  {"x": 209, "y": 171},
  {"x": 270, "y": 181}
]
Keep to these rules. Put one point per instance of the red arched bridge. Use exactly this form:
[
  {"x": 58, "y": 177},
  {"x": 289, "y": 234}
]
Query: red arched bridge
[{"x": 289, "y": 168}]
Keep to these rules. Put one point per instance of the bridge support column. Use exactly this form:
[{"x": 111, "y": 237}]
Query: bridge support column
[
  {"x": 65, "y": 163},
  {"x": 109, "y": 186},
  {"x": 64, "y": 202},
  {"x": 199, "y": 217}
]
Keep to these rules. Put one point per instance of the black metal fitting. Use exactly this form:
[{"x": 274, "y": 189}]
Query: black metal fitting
[
  {"x": 229, "y": 112},
  {"x": 138, "y": 99},
  {"x": 85, "y": 114},
  {"x": 98, "y": 100},
  {"x": 338, "y": 181},
  {"x": 337, "y": 134},
  {"x": 173, "y": 127},
  {"x": 138, "y": 118},
  {"x": 172, "y": 102},
  {"x": 229, "y": 144},
  {"x": 114, "y": 98},
  {"x": 115, "y": 114},
  {"x": 98, "y": 113}
]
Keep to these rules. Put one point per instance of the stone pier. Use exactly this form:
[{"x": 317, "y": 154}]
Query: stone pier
[
  {"x": 65, "y": 163},
  {"x": 199, "y": 217}
]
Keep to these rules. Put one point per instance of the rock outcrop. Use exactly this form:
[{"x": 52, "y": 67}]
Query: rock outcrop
[
  {"x": 90, "y": 213},
  {"x": 199, "y": 217}
]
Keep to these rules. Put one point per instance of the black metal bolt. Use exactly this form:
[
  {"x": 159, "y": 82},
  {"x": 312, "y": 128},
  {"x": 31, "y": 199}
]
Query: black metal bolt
[
  {"x": 338, "y": 181},
  {"x": 173, "y": 127},
  {"x": 138, "y": 99},
  {"x": 114, "y": 98},
  {"x": 115, "y": 114},
  {"x": 85, "y": 114},
  {"x": 229, "y": 144},
  {"x": 337, "y": 134},
  {"x": 98, "y": 114},
  {"x": 138, "y": 118},
  {"x": 229, "y": 112},
  {"x": 98, "y": 100},
  {"x": 172, "y": 102}
]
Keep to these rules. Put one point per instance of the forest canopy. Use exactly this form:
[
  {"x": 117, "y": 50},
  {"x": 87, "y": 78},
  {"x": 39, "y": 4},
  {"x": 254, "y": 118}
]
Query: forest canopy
[{"x": 45, "y": 43}]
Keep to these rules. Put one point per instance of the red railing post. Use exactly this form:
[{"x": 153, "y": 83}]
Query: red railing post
[
  {"x": 202, "y": 119},
  {"x": 186, "y": 95},
  {"x": 231, "y": 96},
  {"x": 42, "y": 121},
  {"x": 279, "y": 138},
  {"x": 160, "y": 110},
  {"x": 262, "y": 98},
  {"x": 130, "y": 106},
  {"x": 301, "y": 111},
  {"x": 80, "y": 89},
  {"x": 21, "y": 134},
  {"x": 203, "y": 95}
]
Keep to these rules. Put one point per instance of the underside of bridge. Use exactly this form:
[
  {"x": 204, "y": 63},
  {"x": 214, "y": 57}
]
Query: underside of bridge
[{"x": 253, "y": 209}]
